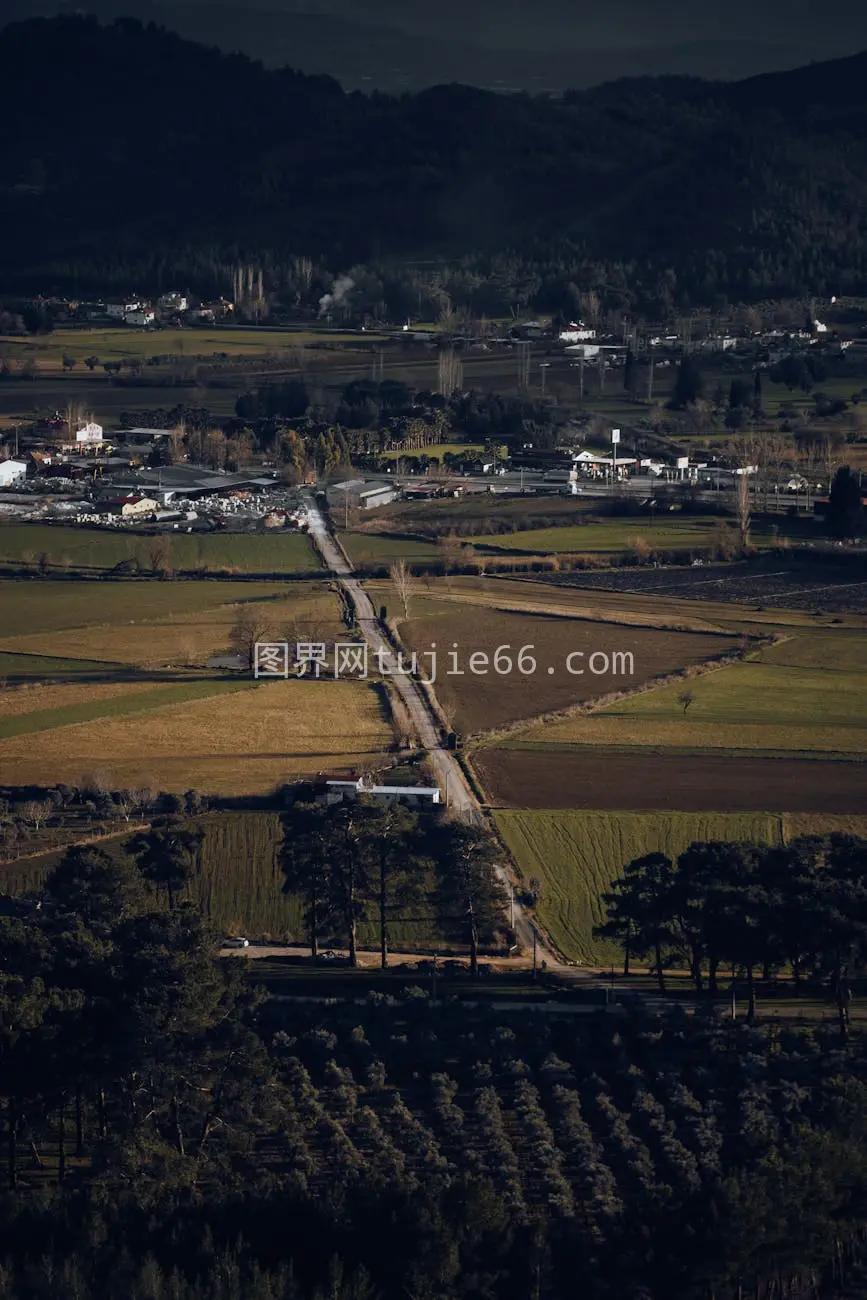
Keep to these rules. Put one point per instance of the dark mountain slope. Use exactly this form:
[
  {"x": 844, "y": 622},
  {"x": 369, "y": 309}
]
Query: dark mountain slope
[{"x": 124, "y": 144}]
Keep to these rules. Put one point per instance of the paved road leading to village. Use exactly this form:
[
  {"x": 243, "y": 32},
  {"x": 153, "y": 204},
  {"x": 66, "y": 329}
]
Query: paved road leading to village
[{"x": 447, "y": 770}]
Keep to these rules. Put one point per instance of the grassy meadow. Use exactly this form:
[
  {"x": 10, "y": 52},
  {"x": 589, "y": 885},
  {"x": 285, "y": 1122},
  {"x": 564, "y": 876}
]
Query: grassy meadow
[
  {"x": 699, "y": 533},
  {"x": 98, "y": 549},
  {"x": 117, "y": 343},
  {"x": 369, "y": 549},
  {"x": 100, "y": 682},
  {"x": 295, "y": 611},
  {"x": 576, "y": 856},
  {"x": 806, "y": 695}
]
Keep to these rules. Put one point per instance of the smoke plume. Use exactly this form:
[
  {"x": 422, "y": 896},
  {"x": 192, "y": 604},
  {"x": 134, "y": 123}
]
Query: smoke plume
[{"x": 343, "y": 285}]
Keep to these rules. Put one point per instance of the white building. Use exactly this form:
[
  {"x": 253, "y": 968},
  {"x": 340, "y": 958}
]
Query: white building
[
  {"x": 12, "y": 471},
  {"x": 584, "y": 351},
  {"x": 143, "y": 317},
  {"x": 381, "y": 495},
  {"x": 338, "y": 791},
  {"x": 173, "y": 302},
  {"x": 577, "y": 333},
  {"x": 136, "y": 509},
  {"x": 120, "y": 310},
  {"x": 90, "y": 434}
]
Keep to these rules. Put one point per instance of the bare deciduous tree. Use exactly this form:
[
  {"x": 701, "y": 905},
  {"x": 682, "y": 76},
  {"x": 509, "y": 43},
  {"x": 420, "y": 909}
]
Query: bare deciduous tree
[
  {"x": 744, "y": 508},
  {"x": 451, "y": 372},
  {"x": 404, "y": 584},
  {"x": 37, "y": 811},
  {"x": 160, "y": 554},
  {"x": 252, "y": 626},
  {"x": 685, "y": 699}
]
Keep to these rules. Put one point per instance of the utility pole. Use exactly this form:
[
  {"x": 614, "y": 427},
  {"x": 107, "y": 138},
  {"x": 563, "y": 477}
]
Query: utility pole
[
  {"x": 601, "y": 371},
  {"x": 543, "y": 366},
  {"x": 650, "y": 382}
]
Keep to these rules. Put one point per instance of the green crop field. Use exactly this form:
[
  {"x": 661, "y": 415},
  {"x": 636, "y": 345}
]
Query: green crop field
[
  {"x": 116, "y": 343},
  {"x": 238, "y": 882},
  {"x": 662, "y": 534},
  {"x": 778, "y": 704},
  {"x": 100, "y": 549},
  {"x": 576, "y": 855},
  {"x": 46, "y": 606},
  {"x": 367, "y": 549}
]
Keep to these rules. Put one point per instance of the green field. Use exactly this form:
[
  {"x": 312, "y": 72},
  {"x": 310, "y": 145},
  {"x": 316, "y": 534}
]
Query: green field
[
  {"x": 238, "y": 883},
  {"x": 99, "y": 549},
  {"x": 46, "y": 606},
  {"x": 576, "y": 855},
  {"x": 113, "y": 343},
  {"x": 662, "y": 534},
  {"x": 368, "y": 549},
  {"x": 806, "y": 695}
]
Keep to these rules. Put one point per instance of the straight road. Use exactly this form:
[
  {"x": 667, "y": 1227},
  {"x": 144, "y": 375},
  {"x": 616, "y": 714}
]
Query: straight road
[{"x": 448, "y": 772}]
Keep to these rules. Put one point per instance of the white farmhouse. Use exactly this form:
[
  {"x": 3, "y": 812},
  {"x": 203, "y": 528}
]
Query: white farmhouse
[
  {"x": 174, "y": 302},
  {"x": 12, "y": 471},
  {"x": 143, "y": 317},
  {"x": 120, "y": 310},
  {"x": 90, "y": 434}
]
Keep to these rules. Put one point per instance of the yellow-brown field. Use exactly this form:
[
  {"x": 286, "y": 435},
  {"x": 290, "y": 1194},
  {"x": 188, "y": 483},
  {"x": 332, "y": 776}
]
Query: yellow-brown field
[
  {"x": 37, "y": 697},
  {"x": 238, "y": 744}
]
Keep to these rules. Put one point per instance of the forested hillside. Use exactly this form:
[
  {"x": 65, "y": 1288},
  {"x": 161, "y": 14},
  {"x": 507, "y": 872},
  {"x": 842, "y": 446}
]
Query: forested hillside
[{"x": 130, "y": 154}]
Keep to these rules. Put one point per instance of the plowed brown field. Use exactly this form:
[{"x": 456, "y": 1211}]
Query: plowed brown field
[
  {"x": 669, "y": 782},
  {"x": 486, "y": 699}
]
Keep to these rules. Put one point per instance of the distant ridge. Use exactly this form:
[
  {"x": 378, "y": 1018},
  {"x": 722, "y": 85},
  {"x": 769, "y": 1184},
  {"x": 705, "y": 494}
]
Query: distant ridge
[{"x": 673, "y": 188}]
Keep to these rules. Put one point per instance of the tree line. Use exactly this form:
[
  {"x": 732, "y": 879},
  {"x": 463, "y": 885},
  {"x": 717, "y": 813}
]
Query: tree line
[
  {"x": 350, "y": 860},
  {"x": 797, "y": 910}
]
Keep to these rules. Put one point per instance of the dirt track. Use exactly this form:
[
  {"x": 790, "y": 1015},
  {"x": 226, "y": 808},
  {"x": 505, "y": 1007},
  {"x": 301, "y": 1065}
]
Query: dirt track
[{"x": 670, "y": 782}]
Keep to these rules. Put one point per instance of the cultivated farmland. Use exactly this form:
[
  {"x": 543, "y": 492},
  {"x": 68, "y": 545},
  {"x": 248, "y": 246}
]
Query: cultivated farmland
[
  {"x": 660, "y": 781},
  {"x": 246, "y": 742},
  {"x": 480, "y": 702},
  {"x": 184, "y": 628},
  {"x": 576, "y": 856},
  {"x": 375, "y": 550},
  {"x": 807, "y": 694},
  {"x": 608, "y": 536},
  {"x": 98, "y": 549},
  {"x": 238, "y": 883}
]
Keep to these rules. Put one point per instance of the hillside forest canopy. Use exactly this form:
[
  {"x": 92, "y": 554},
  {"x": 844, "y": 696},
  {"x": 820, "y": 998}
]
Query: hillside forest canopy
[
  {"x": 744, "y": 189},
  {"x": 170, "y": 1133}
]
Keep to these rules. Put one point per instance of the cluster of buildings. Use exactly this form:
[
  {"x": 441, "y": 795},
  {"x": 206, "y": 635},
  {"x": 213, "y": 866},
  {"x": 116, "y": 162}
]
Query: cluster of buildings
[
  {"x": 172, "y": 308},
  {"x": 169, "y": 308},
  {"x": 94, "y": 476}
]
